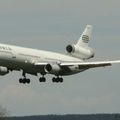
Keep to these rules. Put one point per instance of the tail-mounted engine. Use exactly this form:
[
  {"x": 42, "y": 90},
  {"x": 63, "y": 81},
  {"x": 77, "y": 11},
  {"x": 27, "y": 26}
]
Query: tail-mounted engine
[{"x": 80, "y": 51}]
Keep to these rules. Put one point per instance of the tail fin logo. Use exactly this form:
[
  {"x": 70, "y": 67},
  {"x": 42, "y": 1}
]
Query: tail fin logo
[{"x": 85, "y": 38}]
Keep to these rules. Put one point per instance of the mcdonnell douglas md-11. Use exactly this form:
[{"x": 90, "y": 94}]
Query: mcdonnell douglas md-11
[{"x": 34, "y": 62}]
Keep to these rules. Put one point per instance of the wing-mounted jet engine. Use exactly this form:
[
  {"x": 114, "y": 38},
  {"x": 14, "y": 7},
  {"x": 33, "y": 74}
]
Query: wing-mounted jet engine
[
  {"x": 3, "y": 70},
  {"x": 52, "y": 68}
]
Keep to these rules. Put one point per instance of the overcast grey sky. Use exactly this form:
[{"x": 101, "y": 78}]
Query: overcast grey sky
[{"x": 51, "y": 25}]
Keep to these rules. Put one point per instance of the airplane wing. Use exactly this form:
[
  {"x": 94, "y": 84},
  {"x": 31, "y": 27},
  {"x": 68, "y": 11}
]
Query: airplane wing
[
  {"x": 40, "y": 63},
  {"x": 90, "y": 64},
  {"x": 82, "y": 64}
]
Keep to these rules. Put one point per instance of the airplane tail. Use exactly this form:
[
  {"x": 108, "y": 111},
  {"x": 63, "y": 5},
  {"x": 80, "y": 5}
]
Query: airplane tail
[
  {"x": 81, "y": 49},
  {"x": 85, "y": 37}
]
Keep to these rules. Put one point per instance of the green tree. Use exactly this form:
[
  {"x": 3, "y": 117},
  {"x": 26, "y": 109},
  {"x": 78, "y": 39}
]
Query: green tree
[{"x": 3, "y": 113}]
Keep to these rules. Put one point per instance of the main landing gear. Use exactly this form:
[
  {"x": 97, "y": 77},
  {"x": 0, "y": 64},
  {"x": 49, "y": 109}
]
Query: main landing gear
[
  {"x": 24, "y": 79},
  {"x": 42, "y": 79},
  {"x": 54, "y": 80},
  {"x": 57, "y": 80}
]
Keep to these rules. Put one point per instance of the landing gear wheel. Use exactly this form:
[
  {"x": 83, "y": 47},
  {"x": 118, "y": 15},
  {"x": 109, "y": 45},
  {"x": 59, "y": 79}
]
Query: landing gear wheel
[
  {"x": 42, "y": 79},
  {"x": 28, "y": 81},
  {"x": 54, "y": 79},
  {"x": 20, "y": 80},
  {"x": 57, "y": 80},
  {"x": 24, "y": 80},
  {"x": 61, "y": 80}
]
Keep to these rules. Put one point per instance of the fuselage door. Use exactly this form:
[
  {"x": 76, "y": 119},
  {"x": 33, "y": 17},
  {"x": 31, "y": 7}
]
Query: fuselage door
[{"x": 14, "y": 54}]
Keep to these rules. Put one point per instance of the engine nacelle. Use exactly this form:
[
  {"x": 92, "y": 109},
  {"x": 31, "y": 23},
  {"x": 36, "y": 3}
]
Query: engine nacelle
[
  {"x": 53, "y": 69},
  {"x": 3, "y": 70},
  {"x": 80, "y": 51}
]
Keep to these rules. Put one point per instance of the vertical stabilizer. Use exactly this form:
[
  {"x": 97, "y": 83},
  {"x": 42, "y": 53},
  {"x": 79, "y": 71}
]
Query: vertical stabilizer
[{"x": 85, "y": 37}]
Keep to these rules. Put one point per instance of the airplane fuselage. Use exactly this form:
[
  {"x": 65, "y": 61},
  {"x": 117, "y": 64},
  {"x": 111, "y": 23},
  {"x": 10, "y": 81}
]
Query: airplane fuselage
[{"x": 20, "y": 58}]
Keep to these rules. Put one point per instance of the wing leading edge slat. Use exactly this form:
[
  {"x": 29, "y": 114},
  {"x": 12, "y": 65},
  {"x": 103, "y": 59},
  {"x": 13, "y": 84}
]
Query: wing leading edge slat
[{"x": 90, "y": 64}]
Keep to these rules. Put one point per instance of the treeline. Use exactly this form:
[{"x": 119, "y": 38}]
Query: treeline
[{"x": 69, "y": 117}]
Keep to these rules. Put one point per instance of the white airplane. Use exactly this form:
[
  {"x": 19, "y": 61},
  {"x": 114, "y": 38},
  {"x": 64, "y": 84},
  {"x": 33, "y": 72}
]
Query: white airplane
[{"x": 33, "y": 61}]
